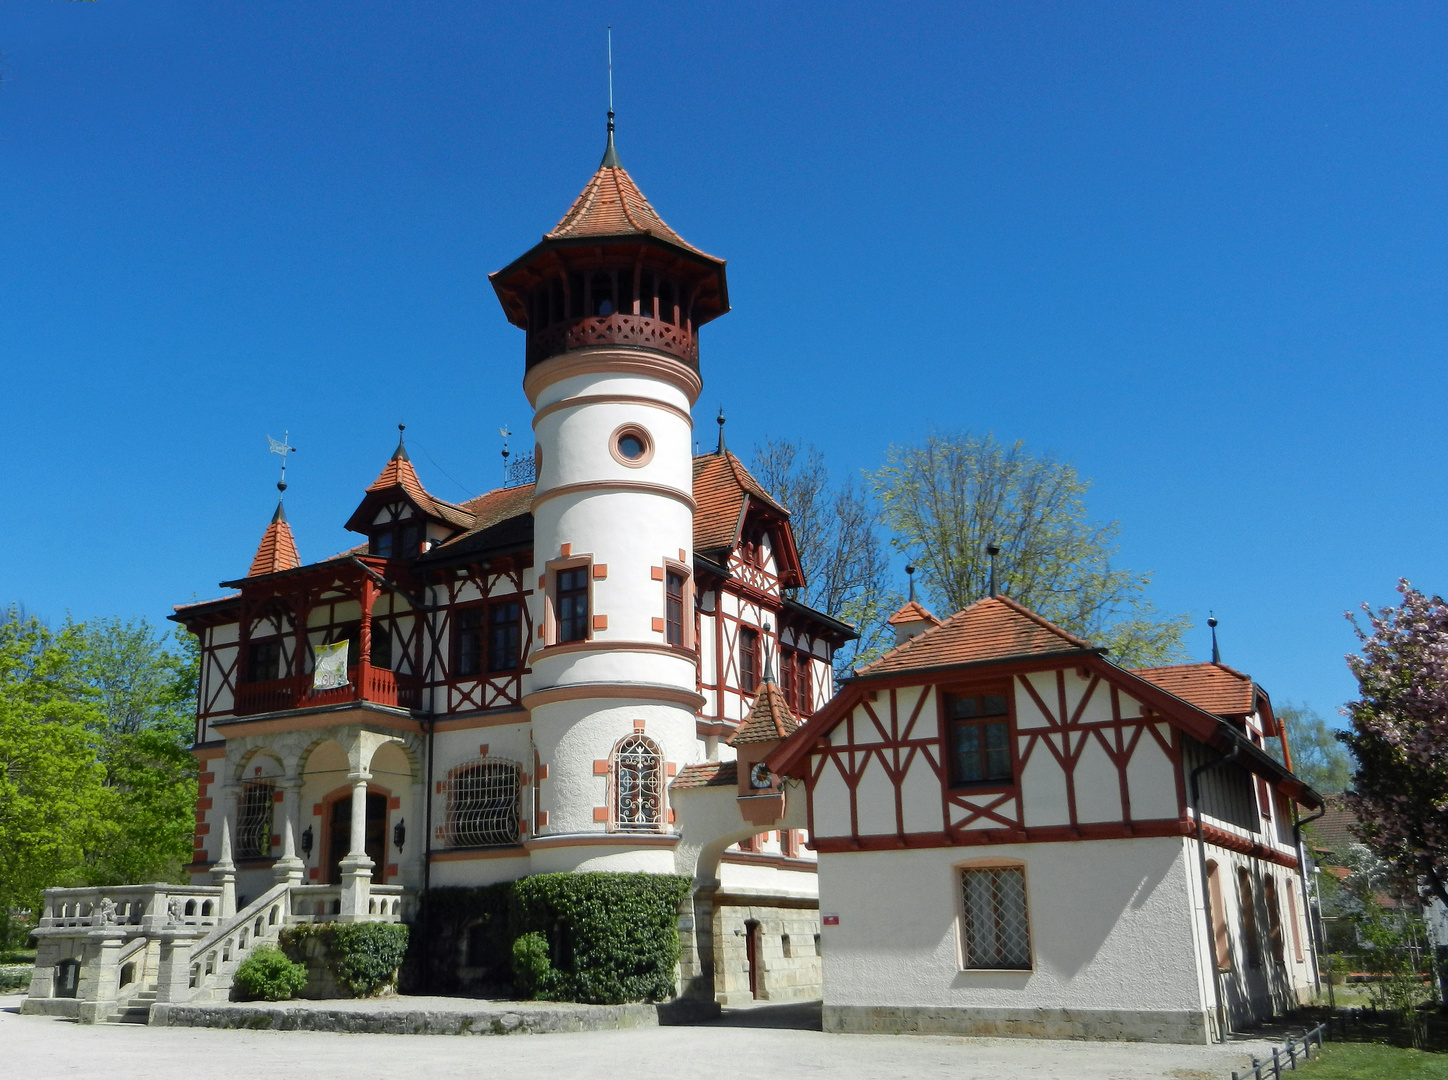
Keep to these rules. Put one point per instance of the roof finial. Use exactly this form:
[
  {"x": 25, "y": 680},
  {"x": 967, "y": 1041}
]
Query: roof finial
[
  {"x": 720, "y": 422},
  {"x": 768, "y": 656},
  {"x": 993, "y": 549},
  {"x": 400, "y": 454},
  {"x": 1212, "y": 622},
  {"x": 504, "y": 432},
  {"x": 283, "y": 450},
  {"x": 910, "y": 573},
  {"x": 610, "y": 155}
]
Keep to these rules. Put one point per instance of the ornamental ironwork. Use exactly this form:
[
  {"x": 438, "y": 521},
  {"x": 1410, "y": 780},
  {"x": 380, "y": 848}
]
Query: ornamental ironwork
[
  {"x": 254, "y": 820},
  {"x": 482, "y": 804},
  {"x": 638, "y": 786},
  {"x": 619, "y": 328}
]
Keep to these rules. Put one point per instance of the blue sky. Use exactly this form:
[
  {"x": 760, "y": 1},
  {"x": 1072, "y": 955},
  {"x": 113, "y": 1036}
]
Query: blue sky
[{"x": 1197, "y": 250}]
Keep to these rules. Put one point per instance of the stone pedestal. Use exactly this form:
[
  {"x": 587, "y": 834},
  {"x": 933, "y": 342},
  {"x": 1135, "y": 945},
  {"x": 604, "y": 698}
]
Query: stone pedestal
[
  {"x": 173, "y": 978},
  {"x": 100, "y": 974}
]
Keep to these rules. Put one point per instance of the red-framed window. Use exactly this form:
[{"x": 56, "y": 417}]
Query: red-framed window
[
  {"x": 572, "y": 601},
  {"x": 748, "y": 659},
  {"x": 468, "y": 640},
  {"x": 798, "y": 680},
  {"x": 505, "y": 634},
  {"x": 674, "y": 608},
  {"x": 978, "y": 732}
]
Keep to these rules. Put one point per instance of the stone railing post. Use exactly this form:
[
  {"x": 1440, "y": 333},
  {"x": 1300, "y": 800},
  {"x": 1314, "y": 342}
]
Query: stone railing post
[
  {"x": 223, "y": 871},
  {"x": 100, "y": 974},
  {"x": 357, "y": 865},
  {"x": 289, "y": 867},
  {"x": 173, "y": 976}
]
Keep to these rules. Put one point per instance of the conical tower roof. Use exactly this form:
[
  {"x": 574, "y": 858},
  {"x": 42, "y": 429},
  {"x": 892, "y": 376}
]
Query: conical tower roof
[{"x": 277, "y": 550}]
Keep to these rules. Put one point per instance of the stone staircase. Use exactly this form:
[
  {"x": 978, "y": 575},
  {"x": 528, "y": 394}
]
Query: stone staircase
[{"x": 135, "y": 1011}]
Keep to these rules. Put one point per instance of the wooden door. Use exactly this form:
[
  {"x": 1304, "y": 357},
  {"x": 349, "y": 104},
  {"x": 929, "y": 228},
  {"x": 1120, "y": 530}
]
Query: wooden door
[{"x": 751, "y": 955}]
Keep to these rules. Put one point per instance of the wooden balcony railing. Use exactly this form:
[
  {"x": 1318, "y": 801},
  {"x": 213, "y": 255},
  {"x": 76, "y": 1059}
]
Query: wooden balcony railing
[{"x": 377, "y": 685}]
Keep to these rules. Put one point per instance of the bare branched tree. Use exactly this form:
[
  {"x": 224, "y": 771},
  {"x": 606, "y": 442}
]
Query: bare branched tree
[
  {"x": 836, "y": 529},
  {"x": 944, "y": 501}
]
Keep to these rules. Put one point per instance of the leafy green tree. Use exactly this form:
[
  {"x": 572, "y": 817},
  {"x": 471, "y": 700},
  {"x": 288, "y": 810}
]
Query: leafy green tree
[
  {"x": 945, "y": 500},
  {"x": 1318, "y": 756},
  {"x": 836, "y": 529},
  {"x": 52, "y": 793}
]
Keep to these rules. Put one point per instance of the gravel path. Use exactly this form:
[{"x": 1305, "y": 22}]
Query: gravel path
[{"x": 731, "y": 1049}]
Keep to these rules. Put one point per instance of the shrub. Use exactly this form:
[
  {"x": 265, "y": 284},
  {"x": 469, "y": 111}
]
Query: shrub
[
  {"x": 462, "y": 923},
  {"x": 363, "y": 956},
  {"x": 267, "y": 975},
  {"x": 530, "y": 964},
  {"x": 613, "y": 937}
]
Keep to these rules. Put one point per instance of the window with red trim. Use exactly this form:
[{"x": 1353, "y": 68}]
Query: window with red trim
[
  {"x": 978, "y": 729},
  {"x": 572, "y": 598},
  {"x": 674, "y": 608},
  {"x": 748, "y": 659}
]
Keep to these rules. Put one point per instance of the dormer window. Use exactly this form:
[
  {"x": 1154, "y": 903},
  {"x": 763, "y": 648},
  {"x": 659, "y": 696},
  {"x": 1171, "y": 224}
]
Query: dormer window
[{"x": 400, "y": 541}]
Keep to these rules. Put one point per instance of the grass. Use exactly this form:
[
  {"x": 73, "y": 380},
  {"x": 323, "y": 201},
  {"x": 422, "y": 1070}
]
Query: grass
[
  {"x": 17, "y": 956},
  {"x": 1374, "y": 1061}
]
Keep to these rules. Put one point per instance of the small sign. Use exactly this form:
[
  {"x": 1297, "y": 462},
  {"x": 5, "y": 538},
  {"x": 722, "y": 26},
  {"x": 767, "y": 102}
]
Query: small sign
[
  {"x": 830, "y": 920},
  {"x": 330, "y": 672}
]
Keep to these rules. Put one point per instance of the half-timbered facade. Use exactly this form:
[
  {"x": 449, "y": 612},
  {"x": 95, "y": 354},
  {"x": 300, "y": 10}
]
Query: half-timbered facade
[
  {"x": 1014, "y": 835},
  {"x": 476, "y": 691}
]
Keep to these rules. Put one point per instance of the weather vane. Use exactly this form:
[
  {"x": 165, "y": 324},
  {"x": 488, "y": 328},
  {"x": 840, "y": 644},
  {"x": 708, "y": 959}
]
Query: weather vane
[
  {"x": 504, "y": 432},
  {"x": 282, "y": 450}
]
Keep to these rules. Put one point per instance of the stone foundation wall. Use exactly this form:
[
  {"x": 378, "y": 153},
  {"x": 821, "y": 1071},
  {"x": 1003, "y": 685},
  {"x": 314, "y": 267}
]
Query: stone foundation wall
[
  {"x": 787, "y": 964},
  {"x": 1172, "y": 1027}
]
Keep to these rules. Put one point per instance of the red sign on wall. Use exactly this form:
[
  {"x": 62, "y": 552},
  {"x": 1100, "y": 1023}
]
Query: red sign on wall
[{"x": 830, "y": 920}]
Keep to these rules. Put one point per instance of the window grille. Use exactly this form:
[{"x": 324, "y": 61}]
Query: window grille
[
  {"x": 997, "y": 933},
  {"x": 254, "y": 820},
  {"x": 639, "y": 790},
  {"x": 482, "y": 804}
]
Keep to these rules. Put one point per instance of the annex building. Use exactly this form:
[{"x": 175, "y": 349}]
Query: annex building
[{"x": 597, "y": 667}]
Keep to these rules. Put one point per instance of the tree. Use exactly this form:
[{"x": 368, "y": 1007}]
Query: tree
[
  {"x": 51, "y": 783},
  {"x": 944, "y": 501},
  {"x": 1318, "y": 757},
  {"x": 836, "y": 530},
  {"x": 1399, "y": 736}
]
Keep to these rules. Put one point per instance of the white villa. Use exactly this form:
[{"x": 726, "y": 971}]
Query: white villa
[{"x": 597, "y": 667}]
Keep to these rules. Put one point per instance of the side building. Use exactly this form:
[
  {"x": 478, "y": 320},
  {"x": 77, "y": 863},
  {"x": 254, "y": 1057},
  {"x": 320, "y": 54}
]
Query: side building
[{"x": 1017, "y": 836}]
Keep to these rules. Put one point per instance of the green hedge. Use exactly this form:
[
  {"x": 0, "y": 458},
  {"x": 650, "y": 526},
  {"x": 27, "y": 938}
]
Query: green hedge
[
  {"x": 592, "y": 937},
  {"x": 363, "y": 956}
]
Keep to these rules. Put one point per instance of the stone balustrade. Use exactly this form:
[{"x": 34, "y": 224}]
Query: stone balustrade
[{"x": 136, "y": 909}]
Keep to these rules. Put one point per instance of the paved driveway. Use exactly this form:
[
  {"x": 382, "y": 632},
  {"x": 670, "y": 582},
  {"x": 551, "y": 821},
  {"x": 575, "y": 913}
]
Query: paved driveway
[{"x": 734, "y": 1049}]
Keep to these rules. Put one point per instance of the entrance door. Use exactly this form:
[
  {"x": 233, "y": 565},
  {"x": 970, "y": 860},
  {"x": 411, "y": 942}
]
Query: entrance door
[
  {"x": 376, "y": 841},
  {"x": 751, "y": 955}
]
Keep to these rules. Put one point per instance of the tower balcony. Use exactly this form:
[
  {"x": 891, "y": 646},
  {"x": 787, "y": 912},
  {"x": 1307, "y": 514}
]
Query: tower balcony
[
  {"x": 639, "y": 331},
  {"x": 365, "y": 683}
]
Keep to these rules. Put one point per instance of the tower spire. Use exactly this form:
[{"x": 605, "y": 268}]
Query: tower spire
[
  {"x": 610, "y": 155},
  {"x": 721, "y": 430},
  {"x": 1212, "y": 622}
]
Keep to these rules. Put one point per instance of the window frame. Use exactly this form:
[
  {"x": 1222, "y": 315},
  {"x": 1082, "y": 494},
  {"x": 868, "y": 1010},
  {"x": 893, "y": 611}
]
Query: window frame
[
  {"x": 1247, "y": 912},
  {"x": 244, "y": 802},
  {"x": 754, "y": 653},
  {"x": 481, "y": 632},
  {"x": 958, "y": 872},
  {"x": 615, "y": 777},
  {"x": 274, "y": 642},
  {"x": 796, "y": 671},
  {"x": 450, "y": 829},
  {"x": 491, "y": 626},
  {"x": 944, "y": 695},
  {"x": 550, "y": 594},
  {"x": 673, "y": 566},
  {"x": 1221, "y": 928}
]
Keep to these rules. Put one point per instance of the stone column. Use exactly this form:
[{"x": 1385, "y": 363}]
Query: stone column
[
  {"x": 223, "y": 871},
  {"x": 289, "y": 867},
  {"x": 357, "y": 866},
  {"x": 696, "y": 940},
  {"x": 100, "y": 974}
]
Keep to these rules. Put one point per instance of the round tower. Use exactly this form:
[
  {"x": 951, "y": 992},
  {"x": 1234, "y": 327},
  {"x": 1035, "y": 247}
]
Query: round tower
[{"x": 611, "y": 300}]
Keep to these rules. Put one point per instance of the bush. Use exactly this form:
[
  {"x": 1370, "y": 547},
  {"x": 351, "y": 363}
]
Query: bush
[
  {"x": 363, "y": 956},
  {"x": 613, "y": 937},
  {"x": 267, "y": 975},
  {"x": 530, "y": 964},
  {"x": 467, "y": 924}
]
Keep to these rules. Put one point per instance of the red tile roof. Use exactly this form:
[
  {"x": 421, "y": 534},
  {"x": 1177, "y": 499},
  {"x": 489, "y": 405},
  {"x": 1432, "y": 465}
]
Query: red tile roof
[
  {"x": 721, "y": 485},
  {"x": 1213, "y": 688},
  {"x": 709, "y": 774},
  {"x": 995, "y": 628},
  {"x": 769, "y": 720},
  {"x": 611, "y": 204},
  {"x": 277, "y": 550},
  {"x": 399, "y": 473},
  {"x": 912, "y": 613}
]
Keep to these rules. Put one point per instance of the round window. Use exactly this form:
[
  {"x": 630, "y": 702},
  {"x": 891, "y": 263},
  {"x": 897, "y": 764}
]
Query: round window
[{"x": 631, "y": 446}]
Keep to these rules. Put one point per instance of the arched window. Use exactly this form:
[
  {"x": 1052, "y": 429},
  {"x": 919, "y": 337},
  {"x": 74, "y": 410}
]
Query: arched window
[
  {"x": 254, "y": 820},
  {"x": 638, "y": 786},
  {"x": 482, "y": 804}
]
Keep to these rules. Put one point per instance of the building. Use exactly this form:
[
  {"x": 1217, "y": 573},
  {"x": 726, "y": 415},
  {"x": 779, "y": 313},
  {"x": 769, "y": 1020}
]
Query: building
[
  {"x": 1008, "y": 843},
  {"x": 548, "y": 677}
]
